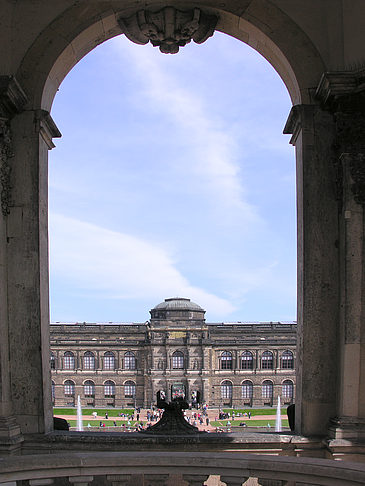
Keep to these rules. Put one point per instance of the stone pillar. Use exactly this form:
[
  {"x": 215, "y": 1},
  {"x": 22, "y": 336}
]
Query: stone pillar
[
  {"x": 337, "y": 93},
  {"x": 27, "y": 262},
  {"x": 318, "y": 271},
  {"x": 205, "y": 391},
  {"x": 25, "y": 138},
  {"x": 350, "y": 422}
]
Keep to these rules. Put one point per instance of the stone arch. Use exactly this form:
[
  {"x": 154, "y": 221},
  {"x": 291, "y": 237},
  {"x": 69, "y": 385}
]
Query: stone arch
[
  {"x": 77, "y": 31},
  {"x": 51, "y": 55}
]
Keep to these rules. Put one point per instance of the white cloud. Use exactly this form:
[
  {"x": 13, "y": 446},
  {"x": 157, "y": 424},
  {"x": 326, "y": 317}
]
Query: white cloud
[
  {"x": 211, "y": 149},
  {"x": 120, "y": 266}
]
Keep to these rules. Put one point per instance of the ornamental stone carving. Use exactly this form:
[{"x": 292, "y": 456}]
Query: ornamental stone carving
[
  {"x": 6, "y": 153},
  {"x": 169, "y": 28}
]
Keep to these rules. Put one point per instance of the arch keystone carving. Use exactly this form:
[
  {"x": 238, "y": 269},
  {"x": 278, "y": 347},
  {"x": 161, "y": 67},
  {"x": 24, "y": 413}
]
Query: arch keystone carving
[{"x": 169, "y": 28}]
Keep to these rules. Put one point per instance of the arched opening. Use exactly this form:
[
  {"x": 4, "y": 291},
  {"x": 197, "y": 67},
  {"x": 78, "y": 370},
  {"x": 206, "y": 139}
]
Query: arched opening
[
  {"x": 301, "y": 75},
  {"x": 247, "y": 393},
  {"x": 226, "y": 393}
]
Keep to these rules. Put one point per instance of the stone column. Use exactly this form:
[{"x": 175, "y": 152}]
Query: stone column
[
  {"x": 318, "y": 269},
  {"x": 25, "y": 138},
  {"x": 337, "y": 93},
  {"x": 350, "y": 422},
  {"x": 205, "y": 391}
]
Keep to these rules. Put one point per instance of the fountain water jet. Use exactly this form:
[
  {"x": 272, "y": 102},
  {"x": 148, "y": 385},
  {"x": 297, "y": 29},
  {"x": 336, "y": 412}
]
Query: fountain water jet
[
  {"x": 79, "y": 424},
  {"x": 278, "y": 417}
]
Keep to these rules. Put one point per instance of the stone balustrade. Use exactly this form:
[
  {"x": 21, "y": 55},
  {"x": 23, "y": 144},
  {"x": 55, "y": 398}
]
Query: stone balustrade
[{"x": 117, "y": 468}]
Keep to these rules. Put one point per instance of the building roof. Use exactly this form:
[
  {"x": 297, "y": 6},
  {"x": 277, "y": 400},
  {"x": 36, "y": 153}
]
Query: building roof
[{"x": 178, "y": 303}]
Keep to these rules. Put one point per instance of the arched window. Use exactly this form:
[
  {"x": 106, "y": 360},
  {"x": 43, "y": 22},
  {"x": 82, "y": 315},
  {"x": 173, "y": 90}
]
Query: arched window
[
  {"x": 68, "y": 361},
  {"x": 267, "y": 389},
  {"x": 109, "y": 361},
  {"x": 246, "y": 360},
  {"x": 287, "y": 360},
  {"x": 129, "y": 389},
  {"x": 89, "y": 388},
  {"x": 267, "y": 360},
  {"x": 226, "y": 360},
  {"x": 109, "y": 389},
  {"x": 53, "y": 362},
  {"x": 226, "y": 389},
  {"x": 247, "y": 389},
  {"x": 288, "y": 389},
  {"x": 89, "y": 361},
  {"x": 129, "y": 360},
  {"x": 178, "y": 360},
  {"x": 69, "y": 388},
  {"x": 53, "y": 391}
]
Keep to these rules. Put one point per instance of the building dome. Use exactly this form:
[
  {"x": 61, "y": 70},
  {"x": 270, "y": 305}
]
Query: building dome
[
  {"x": 178, "y": 303},
  {"x": 177, "y": 308}
]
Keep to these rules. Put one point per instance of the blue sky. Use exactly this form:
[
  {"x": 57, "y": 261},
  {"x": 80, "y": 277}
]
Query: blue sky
[{"x": 172, "y": 178}]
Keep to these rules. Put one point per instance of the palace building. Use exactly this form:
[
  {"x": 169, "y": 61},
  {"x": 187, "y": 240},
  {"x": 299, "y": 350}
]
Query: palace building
[{"x": 239, "y": 364}]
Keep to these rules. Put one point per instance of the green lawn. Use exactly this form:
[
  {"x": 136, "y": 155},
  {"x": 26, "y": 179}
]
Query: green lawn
[
  {"x": 255, "y": 411},
  {"x": 96, "y": 423},
  {"x": 112, "y": 412},
  {"x": 249, "y": 423}
]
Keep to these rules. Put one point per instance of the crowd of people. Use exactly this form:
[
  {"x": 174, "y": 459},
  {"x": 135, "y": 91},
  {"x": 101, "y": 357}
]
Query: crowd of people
[{"x": 139, "y": 420}]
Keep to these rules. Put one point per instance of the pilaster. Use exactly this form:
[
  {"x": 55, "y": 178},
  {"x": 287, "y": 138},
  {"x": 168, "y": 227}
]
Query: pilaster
[
  {"x": 313, "y": 134},
  {"x": 24, "y": 272},
  {"x": 343, "y": 95},
  {"x": 12, "y": 101}
]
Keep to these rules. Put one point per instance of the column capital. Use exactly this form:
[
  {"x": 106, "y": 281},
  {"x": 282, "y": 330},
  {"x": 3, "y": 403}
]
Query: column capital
[
  {"x": 46, "y": 127},
  {"x": 296, "y": 120},
  {"x": 339, "y": 90}
]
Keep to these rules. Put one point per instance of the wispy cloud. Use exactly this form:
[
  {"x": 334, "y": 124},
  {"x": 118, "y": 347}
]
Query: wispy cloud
[
  {"x": 211, "y": 149},
  {"x": 120, "y": 266}
]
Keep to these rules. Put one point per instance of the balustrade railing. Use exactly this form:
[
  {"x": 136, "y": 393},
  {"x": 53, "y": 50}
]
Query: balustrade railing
[{"x": 118, "y": 468}]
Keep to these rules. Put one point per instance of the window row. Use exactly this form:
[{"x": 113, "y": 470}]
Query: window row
[
  {"x": 89, "y": 361},
  {"x": 177, "y": 361},
  {"x": 89, "y": 389},
  {"x": 247, "y": 360},
  {"x": 267, "y": 389}
]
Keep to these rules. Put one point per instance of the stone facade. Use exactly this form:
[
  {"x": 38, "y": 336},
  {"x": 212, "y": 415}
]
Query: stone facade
[{"x": 177, "y": 351}]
